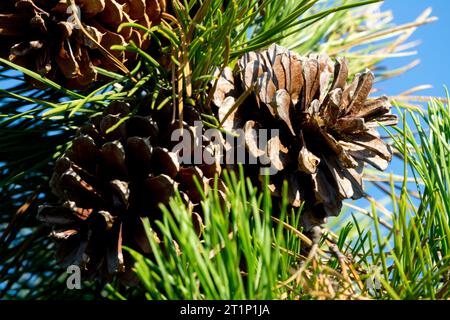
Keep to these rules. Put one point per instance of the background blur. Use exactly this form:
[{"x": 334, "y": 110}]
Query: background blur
[{"x": 434, "y": 50}]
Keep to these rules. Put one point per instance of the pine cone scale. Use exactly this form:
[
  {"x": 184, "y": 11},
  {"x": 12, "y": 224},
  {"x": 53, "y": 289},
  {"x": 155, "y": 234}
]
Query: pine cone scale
[{"x": 13, "y": 25}]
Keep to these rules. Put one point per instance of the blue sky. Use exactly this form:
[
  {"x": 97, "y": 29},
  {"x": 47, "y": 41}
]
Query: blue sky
[{"x": 434, "y": 51}]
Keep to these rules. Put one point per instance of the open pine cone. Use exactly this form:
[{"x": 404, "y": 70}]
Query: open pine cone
[
  {"x": 325, "y": 129},
  {"x": 108, "y": 180},
  {"x": 42, "y": 35}
]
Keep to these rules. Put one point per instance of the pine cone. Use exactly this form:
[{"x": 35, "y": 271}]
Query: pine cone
[
  {"x": 109, "y": 179},
  {"x": 326, "y": 130},
  {"x": 41, "y": 35}
]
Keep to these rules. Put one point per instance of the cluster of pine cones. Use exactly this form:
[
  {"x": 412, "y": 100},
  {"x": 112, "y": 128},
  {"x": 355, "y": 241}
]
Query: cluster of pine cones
[{"x": 323, "y": 129}]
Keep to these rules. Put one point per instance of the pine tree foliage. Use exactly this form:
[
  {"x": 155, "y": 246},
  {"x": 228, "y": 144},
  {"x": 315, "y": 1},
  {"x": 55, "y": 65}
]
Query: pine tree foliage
[{"x": 254, "y": 253}]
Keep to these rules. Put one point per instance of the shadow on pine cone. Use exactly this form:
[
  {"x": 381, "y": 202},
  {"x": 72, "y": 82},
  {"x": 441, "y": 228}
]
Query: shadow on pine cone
[
  {"x": 41, "y": 35},
  {"x": 108, "y": 180},
  {"x": 325, "y": 128}
]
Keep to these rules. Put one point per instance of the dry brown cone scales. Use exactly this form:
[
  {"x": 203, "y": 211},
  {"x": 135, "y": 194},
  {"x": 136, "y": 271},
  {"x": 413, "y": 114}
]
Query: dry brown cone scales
[
  {"x": 108, "y": 181},
  {"x": 44, "y": 36},
  {"x": 326, "y": 128}
]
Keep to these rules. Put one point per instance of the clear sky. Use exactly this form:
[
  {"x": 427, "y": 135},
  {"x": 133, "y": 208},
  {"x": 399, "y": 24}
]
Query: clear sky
[{"x": 434, "y": 51}]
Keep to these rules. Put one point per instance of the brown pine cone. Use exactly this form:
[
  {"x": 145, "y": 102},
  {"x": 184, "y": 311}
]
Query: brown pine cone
[
  {"x": 109, "y": 179},
  {"x": 325, "y": 128},
  {"x": 42, "y": 35}
]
